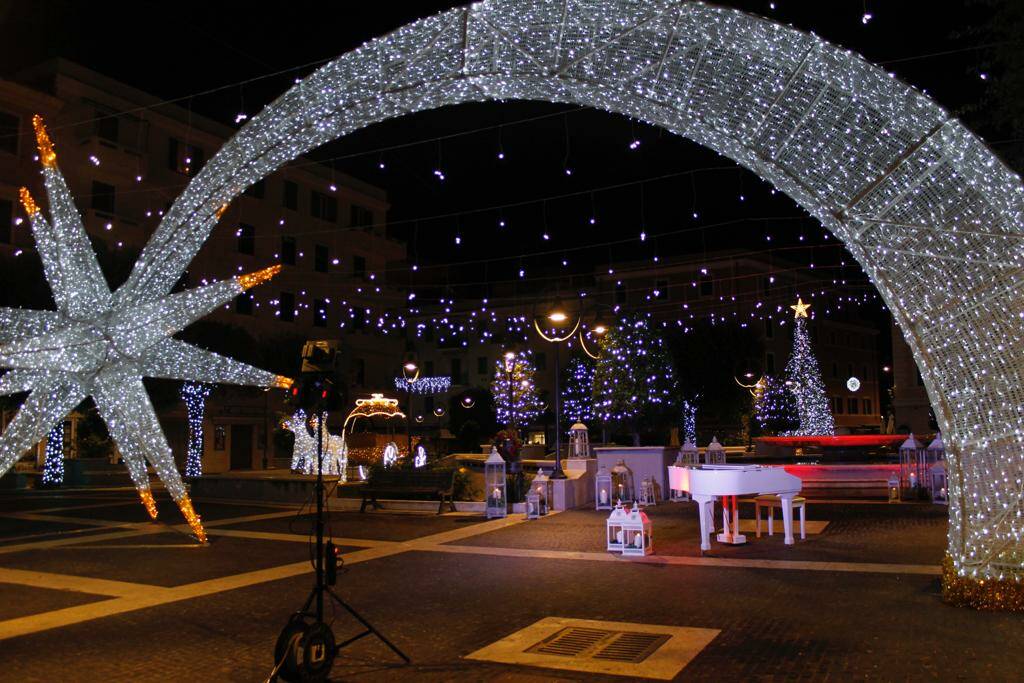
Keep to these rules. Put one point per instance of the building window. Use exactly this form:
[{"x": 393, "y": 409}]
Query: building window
[
  {"x": 707, "y": 287},
  {"x": 769, "y": 363},
  {"x": 323, "y": 207},
  {"x": 428, "y": 368},
  {"x": 867, "y": 406},
  {"x": 288, "y": 251},
  {"x": 183, "y": 158},
  {"x": 320, "y": 313},
  {"x": 540, "y": 360},
  {"x": 256, "y": 190},
  {"x": 835, "y": 369},
  {"x": 286, "y": 307},
  {"x": 851, "y": 406},
  {"x": 620, "y": 294},
  {"x": 359, "y": 319},
  {"x": 246, "y": 239},
  {"x": 428, "y": 405},
  {"x": 359, "y": 372},
  {"x": 243, "y": 304},
  {"x": 769, "y": 328},
  {"x": 482, "y": 366},
  {"x": 457, "y": 371},
  {"x": 837, "y": 405},
  {"x": 660, "y": 289},
  {"x": 864, "y": 372},
  {"x": 290, "y": 196},
  {"x": 320, "y": 258},
  {"x": 6, "y": 216},
  {"x": 9, "y": 129},
  {"x": 358, "y": 266},
  {"x": 107, "y": 127},
  {"x": 360, "y": 217},
  {"x": 103, "y": 196}
]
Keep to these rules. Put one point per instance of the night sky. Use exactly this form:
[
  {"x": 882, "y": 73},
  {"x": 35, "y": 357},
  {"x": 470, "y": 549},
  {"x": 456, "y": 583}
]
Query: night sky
[{"x": 184, "y": 50}]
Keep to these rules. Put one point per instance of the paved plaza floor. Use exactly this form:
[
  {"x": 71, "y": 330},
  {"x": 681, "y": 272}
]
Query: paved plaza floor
[{"x": 92, "y": 591}]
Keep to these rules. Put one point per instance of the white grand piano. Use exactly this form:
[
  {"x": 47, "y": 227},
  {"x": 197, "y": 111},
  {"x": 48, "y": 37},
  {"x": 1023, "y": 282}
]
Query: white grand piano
[{"x": 705, "y": 483}]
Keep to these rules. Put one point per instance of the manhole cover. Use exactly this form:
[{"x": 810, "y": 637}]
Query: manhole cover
[
  {"x": 619, "y": 646},
  {"x": 605, "y": 647}
]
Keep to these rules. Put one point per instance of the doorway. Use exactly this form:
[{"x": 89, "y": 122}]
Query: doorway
[{"x": 241, "y": 447}]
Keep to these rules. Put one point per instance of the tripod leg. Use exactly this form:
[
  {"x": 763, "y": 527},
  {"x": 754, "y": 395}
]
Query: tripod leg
[{"x": 369, "y": 627}]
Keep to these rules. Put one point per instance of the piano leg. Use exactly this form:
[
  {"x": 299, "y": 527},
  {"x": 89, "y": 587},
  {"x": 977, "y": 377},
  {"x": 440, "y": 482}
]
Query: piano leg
[
  {"x": 731, "y": 529},
  {"x": 706, "y": 508},
  {"x": 787, "y": 515}
]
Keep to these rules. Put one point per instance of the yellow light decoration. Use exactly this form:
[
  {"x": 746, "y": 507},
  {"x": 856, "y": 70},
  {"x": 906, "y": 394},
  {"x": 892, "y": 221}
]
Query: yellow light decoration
[
  {"x": 194, "y": 520},
  {"x": 250, "y": 280},
  {"x": 373, "y": 406},
  {"x": 221, "y": 210},
  {"x": 800, "y": 308},
  {"x": 282, "y": 382},
  {"x": 147, "y": 500},
  {"x": 1005, "y": 595},
  {"x": 47, "y": 155},
  {"x": 31, "y": 208}
]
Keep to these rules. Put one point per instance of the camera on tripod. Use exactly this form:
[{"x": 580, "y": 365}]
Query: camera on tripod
[{"x": 316, "y": 389}]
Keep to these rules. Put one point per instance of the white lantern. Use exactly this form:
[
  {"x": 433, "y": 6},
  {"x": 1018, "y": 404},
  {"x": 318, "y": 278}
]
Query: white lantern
[
  {"x": 390, "y": 455},
  {"x": 688, "y": 456},
  {"x": 622, "y": 482},
  {"x": 647, "y": 494},
  {"x": 714, "y": 454},
  {"x": 912, "y": 456},
  {"x": 494, "y": 482},
  {"x": 579, "y": 441},
  {"x": 939, "y": 483},
  {"x": 532, "y": 505},
  {"x": 603, "y": 490},
  {"x": 539, "y": 486},
  {"x": 894, "y": 488},
  {"x": 637, "y": 533},
  {"x": 935, "y": 453},
  {"x": 615, "y": 535}
]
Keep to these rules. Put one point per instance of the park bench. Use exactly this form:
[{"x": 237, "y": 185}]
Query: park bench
[{"x": 400, "y": 483}]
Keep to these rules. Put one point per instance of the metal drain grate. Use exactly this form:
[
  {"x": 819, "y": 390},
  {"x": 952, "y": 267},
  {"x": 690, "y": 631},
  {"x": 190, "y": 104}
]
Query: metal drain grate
[{"x": 594, "y": 643}]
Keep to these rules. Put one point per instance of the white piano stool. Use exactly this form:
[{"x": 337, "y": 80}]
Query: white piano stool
[{"x": 771, "y": 501}]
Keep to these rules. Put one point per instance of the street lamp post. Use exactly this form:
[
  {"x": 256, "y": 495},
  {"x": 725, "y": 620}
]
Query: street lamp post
[
  {"x": 411, "y": 372},
  {"x": 558, "y": 318}
]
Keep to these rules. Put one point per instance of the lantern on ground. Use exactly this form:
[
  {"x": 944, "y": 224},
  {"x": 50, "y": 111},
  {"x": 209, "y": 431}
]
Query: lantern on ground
[
  {"x": 938, "y": 482},
  {"x": 894, "y": 488},
  {"x": 622, "y": 482},
  {"x": 912, "y": 456},
  {"x": 714, "y": 454},
  {"x": 494, "y": 481},
  {"x": 615, "y": 535},
  {"x": 603, "y": 490},
  {"x": 935, "y": 453},
  {"x": 637, "y": 532},
  {"x": 390, "y": 455},
  {"x": 579, "y": 441},
  {"x": 688, "y": 456},
  {"x": 541, "y": 486},
  {"x": 647, "y": 495}
]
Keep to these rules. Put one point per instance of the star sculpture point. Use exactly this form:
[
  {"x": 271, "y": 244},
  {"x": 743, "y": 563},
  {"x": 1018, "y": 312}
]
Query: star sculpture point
[
  {"x": 800, "y": 308},
  {"x": 101, "y": 345}
]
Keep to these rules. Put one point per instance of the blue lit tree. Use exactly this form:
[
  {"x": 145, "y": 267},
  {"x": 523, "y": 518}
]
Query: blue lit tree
[
  {"x": 634, "y": 382},
  {"x": 514, "y": 388},
  {"x": 803, "y": 378},
  {"x": 53, "y": 466},
  {"x": 577, "y": 400}
]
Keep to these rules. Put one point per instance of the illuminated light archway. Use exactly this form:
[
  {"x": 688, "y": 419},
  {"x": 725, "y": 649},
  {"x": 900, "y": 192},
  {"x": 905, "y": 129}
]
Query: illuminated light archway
[{"x": 933, "y": 217}]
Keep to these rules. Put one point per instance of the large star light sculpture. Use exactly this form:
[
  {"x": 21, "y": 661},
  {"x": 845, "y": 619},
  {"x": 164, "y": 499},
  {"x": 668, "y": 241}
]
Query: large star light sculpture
[{"x": 101, "y": 345}]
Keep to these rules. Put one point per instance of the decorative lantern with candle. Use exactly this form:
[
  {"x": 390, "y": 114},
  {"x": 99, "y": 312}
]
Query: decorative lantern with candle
[
  {"x": 637, "y": 531},
  {"x": 647, "y": 495},
  {"x": 688, "y": 456},
  {"x": 714, "y": 454},
  {"x": 622, "y": 482},
  {"x": 579, "y": 441},
  {"x": 935, "y": 453},
  {"x": 541, "y": 487},
  {"x": 912, "y": 470},
  {"x": 494, "y": 481},
  {"x": 603, "y": 490},
  {"x": 894, "y": 488},
  {"x": 614, "y": 534},
  {"x": 939, "y": 484}
]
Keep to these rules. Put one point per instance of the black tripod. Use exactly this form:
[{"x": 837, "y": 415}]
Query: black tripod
[{"x": 306, "y": 649}]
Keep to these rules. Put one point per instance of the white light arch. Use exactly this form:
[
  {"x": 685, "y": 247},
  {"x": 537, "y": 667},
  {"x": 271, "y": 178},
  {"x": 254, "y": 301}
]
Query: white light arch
[{"x": 934, "y": 218}]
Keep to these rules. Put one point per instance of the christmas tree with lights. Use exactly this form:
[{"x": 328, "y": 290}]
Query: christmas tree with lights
[
  {"x": 195, "y": 394},
  {"x": 578, "y": 391},
  {"x": 803, "y": 378},
  {"x": 53, "y": 466},
  {"x": 775, "y": 407},
  {"x": 633, "y": 381},
  {"x": 515, "y": 389}
]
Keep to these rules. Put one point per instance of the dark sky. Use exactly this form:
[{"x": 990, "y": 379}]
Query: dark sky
[{"x": 175, "y": 50}]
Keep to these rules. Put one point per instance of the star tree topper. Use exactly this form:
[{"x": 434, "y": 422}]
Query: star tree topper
[
  {"x": 800, "y": 308},
  {"x": 100, "y": 344}
]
